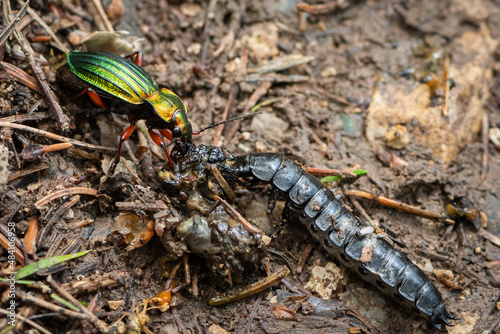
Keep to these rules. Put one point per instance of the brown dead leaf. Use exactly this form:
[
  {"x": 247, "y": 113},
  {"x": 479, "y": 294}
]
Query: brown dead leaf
[
  {"x": 115, "y": 304},
  {"x": 111, "y": 42},
  {"x": 282, "y": 312}
]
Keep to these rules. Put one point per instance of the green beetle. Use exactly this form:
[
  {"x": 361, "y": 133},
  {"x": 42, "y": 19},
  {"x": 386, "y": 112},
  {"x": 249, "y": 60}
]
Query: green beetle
[{"x": 121, "y": 85}]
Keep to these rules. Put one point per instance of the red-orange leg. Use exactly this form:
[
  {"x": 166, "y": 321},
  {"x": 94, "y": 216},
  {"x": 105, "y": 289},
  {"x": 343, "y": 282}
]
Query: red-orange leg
[
  {"x": 126, "y": 135},
  {"x": 158, "y": 141},
  {"x": 136, "y": 57},
  {"x": 167, "y": 134},
  {"x": 93, "y": 96},
  {"x": 187, "y": 269}
]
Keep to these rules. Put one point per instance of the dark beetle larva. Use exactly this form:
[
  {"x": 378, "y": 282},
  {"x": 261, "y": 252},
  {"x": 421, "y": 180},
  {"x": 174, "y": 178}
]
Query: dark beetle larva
[{"x": 342, "y": 234}]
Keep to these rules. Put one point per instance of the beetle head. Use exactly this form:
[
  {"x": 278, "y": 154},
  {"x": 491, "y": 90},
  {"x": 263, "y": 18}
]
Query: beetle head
[
  {"x": 172, "y": 110},
  {"x": 182, "y": 127}
]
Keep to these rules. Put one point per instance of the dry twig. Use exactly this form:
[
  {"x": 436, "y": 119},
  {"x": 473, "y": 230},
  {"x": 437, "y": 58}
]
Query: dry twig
[
  {"x": 12, "y": 26},
  {"x": 21, "y": 76},
  {"x": 28, "y": 321},
  {"x": 59, "y": 309},
  {"x": 56, "y": 137},
  {"x": 252, "y": 314},
  {"x": 303, "y": 258},
  {"x": 18, "y": 254},
  {"x": 65, "y": 192},
  {"x": 236, "y": 215},
  {"x": 131, "y": 206},
  {"x": 25, "y": 117},
  {"x": 95, "y": 282},
  {"x": 99, "y": 324},
  {"x": 44, "y": 25},
  {"x": 27, "y": 171},
  {"x": 318, "y": 9},
  {"x": 61, "y": 118},
  {"x": 232, "y": 95},
  {"x": 446, "y": 86},
  {"x": 484, "y": 134},
  {"x": 130, "y": 170},
  {"x": 223, "y": 183},
  {"x": 54, "y": 216},
  {"x": 251, "y": 289},
  {"x": 399, "y": 206},
  {"x": 102, "y": 15},
  {"x": 257, "y": 94},
  {"x": 489, "y": 236}
]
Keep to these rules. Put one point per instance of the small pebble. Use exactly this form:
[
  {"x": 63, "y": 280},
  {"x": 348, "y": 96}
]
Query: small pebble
[
  {"x": 194, "y": 49},
  {"x": 260, "y": 147},
  {"x": 397, "y": 137},
  {"x": 328, "y": 72},
  {"x": 494, "y": 135},
  {"x": 484, "y": 219},
  {"x": 190, "y": 9}
]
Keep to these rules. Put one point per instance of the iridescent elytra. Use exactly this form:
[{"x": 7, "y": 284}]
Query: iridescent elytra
[{"x": 121, "y": 85}]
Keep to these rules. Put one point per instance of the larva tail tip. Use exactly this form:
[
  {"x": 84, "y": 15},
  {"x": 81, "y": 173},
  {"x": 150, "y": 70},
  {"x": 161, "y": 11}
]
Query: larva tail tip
[{"x": 443, "y": 319}]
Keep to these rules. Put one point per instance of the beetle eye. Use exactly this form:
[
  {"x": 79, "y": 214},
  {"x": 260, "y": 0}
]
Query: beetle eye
[{"x": 176, "y": 132}]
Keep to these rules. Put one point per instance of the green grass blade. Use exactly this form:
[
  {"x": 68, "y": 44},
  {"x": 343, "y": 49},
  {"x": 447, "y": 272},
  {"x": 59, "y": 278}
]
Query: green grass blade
[
  {"x": 64, "y": 302},
  {"x": 18, "y": 282},
  {"x": 46, "y": 263},
  {"x": 7, "y": 329},
  {"x": 332, "y": 178}
]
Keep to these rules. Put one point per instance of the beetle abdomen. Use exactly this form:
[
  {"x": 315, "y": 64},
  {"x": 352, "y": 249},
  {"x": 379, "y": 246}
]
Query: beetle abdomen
[{"x": 112, "y": 74}]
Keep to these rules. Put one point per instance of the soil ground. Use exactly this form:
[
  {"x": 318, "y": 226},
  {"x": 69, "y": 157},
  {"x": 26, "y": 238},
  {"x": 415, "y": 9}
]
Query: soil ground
[{"x": 361, "y": 67}]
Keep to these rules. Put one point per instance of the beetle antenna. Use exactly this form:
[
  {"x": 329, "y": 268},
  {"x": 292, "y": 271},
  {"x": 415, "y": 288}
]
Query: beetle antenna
[
  {"x": 226, "y": 121},
  {"x": 55, "y": 90}
]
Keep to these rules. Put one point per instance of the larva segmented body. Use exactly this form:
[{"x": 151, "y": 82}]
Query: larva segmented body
[{"x": 341, "y": 235}]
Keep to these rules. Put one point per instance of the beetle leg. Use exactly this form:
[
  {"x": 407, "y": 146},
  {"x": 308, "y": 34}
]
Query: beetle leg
[
  {"x": 167, "y": 134},
  {"x": 285, "y": 215},
  {"x": 136, "y": 57},
  {"x": 93, "y": 96},
  {"x": 126, "y": 135},
  {"x": 83, "y": 92},
  {"x": 158, "y": 141},
  {"x": 271, "y": 203}
]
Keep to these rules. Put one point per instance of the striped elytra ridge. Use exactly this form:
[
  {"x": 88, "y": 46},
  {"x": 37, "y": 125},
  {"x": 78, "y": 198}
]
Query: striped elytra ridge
[
  {"x": 116, "y": 75},
  {"x": 127, "y": 89}
]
